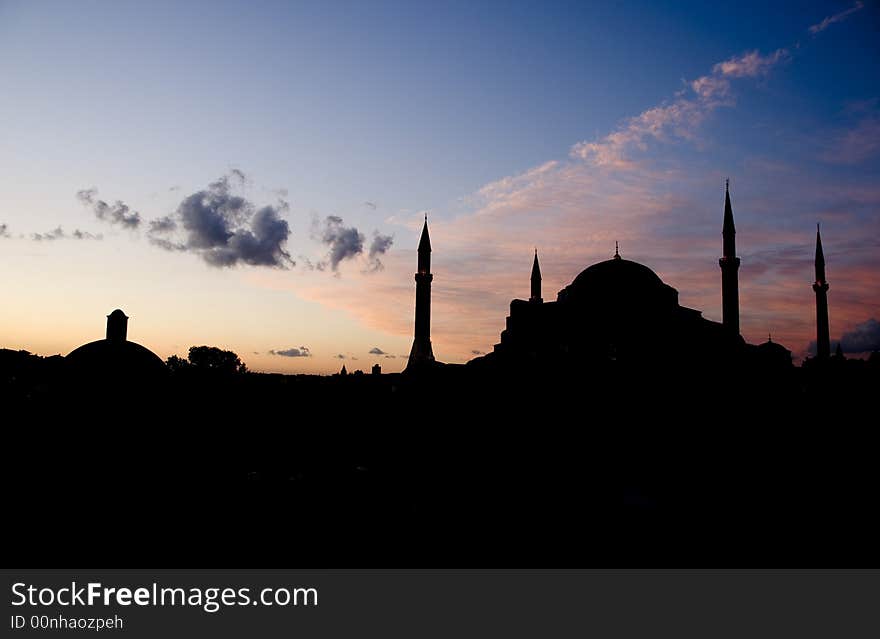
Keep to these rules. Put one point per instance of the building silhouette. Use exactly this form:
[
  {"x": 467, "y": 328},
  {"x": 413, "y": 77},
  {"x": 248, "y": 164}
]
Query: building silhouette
[
  {"x": 616, "y": 310},
  {"x": 729, "y": 264},
  {"x": 621, "y": 311},
  {"x": 114, "y": 358},
  {"x": 820, "y": 287},
  {"x": 422, "y": 353}
]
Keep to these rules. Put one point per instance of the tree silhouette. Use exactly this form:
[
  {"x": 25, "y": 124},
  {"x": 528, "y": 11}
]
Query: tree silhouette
[
  {"x": 177, "y": 364},
  {"x": 215, "y": 359}
]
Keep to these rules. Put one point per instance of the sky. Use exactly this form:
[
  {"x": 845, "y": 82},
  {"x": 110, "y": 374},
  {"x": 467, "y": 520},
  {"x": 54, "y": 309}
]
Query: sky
[{"x": 254, "y": 175}]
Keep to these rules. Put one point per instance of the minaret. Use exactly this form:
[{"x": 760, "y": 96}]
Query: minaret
[
  {"x": 536, "y": 281},
  {"x": 729, "y": 264},
  {"x": 820, "y": 287},
  {"x": 421, "y": 349}
]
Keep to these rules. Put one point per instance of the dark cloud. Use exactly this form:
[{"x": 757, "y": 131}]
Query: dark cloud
[
  {"x": 85, "y": 235},
  {"x": 379, "y": 246},
  {"x": 167, "y": 244},
  {"x": 4, "y": 231},
  {"x": 372, "y": 205},
  {"x": 376, "y": 351},
  {"x": 340, "y": 356},
  {"x": 163, "y": 225},
  {"x": 302, "y": 351},
  {"x": 344, "y": 242},
  {"x": 863, "y": 338},
  {"x": 225, "y": 229},
  {"x": 476, "y": 352},
  {"x": 58, "y": 234},
  {"x": 117, "y": 213},
  {"x": 390, "y": 356}
]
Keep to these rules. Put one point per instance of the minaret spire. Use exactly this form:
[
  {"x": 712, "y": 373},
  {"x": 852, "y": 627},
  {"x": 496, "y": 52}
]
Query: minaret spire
[
  {"x": 422, "y": 352},
  {"x": 820, "y": 287},
  {"x": 729, "y": 264},
  {"x": 536, "y": 281}
]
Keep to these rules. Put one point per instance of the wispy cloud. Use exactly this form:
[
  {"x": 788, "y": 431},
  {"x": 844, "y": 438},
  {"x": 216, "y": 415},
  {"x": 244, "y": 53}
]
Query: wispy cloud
[
  {"x": 118, "y": 213},
  {"x": 58, "y": 234},
  {"x": 857, "y": 144},
  {"x": 679, "y": 119},
  {"x": 837, "y": 17}
]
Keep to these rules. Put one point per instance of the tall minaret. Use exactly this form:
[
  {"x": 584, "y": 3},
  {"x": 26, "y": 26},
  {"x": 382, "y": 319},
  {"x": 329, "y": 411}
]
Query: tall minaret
[
  {"x": 536, "y": 281},
  {"x": 421, "y": 349},
  {"x": 729, "y": 264},
  {"x": 820, "y": 287}
]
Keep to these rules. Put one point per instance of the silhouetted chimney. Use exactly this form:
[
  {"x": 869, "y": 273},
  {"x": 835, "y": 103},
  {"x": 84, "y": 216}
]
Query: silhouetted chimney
[
  {"x": 377, "y": 370},
  {"x": 117, "y": 326}
]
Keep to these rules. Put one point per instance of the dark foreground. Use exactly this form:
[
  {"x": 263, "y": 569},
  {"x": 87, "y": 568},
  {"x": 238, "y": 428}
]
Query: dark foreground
[{"x": 648, "y": 467}]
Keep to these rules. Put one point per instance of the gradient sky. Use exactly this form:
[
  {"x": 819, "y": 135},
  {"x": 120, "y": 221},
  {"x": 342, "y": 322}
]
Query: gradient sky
[{"x": 564, "y": 126}]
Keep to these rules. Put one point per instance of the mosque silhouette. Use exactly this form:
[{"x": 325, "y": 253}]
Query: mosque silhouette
[{"x": 621, "y": 311}]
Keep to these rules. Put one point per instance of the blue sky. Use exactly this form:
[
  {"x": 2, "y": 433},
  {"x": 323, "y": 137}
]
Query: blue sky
[{"x": 415, "y": 107}]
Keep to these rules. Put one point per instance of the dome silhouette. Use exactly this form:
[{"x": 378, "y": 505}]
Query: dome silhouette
[
  {"x": 621, "y": 283},
  {"x": 115, "y": 357}
]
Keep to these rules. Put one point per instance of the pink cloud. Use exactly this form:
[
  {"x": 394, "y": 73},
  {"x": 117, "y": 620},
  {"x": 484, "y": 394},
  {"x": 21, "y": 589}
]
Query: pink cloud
[
  {"x": 749, "y": 65},
  {"x": 837, "y": 17},
  {"x": 676, "y": 120}
]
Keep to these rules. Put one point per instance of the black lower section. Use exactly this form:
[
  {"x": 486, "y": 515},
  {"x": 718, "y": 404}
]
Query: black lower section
[{"x": 657, "y": 467}]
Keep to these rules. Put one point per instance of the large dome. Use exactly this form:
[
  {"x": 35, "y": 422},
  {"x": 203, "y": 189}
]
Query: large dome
[
  {"x": 619, "y": 281},
  {"x": 619, "y": 273}
]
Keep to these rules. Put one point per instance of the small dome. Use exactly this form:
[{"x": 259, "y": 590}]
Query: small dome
[{"x": 116, "y": 358}]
